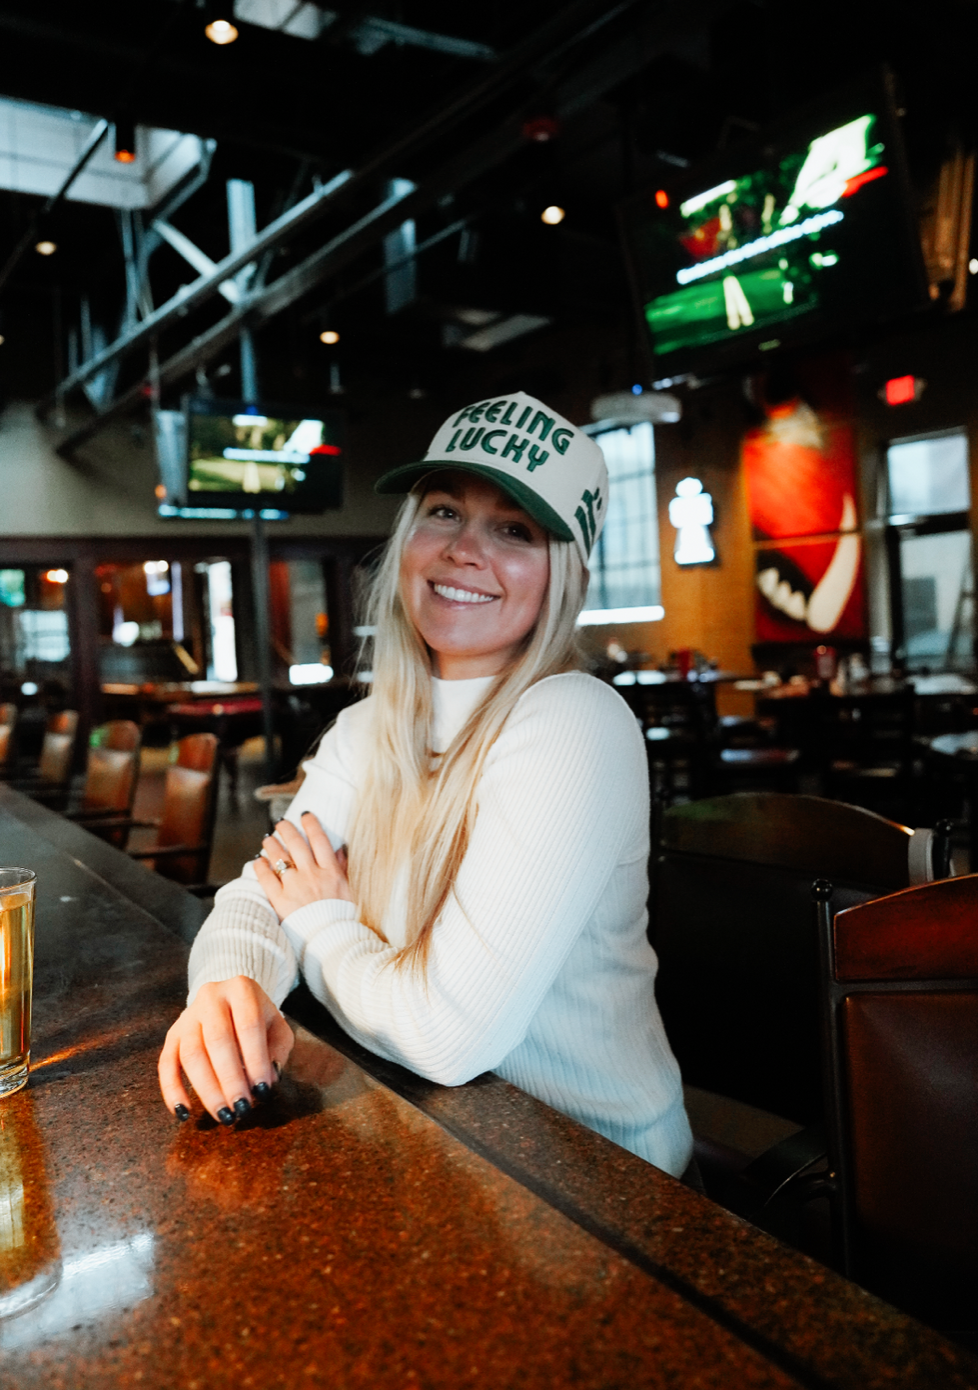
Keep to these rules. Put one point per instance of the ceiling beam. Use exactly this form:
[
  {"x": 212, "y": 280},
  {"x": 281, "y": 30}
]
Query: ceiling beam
[
  {"x": 550, "y": 39},
  {"x": 603, "y": 71}
]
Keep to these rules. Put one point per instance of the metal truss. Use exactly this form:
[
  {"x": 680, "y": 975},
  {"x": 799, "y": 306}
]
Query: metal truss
[{"x": 253, "y": 303}]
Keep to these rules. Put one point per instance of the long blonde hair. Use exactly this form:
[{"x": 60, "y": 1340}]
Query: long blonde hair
[{"x": 412, "y": 808}]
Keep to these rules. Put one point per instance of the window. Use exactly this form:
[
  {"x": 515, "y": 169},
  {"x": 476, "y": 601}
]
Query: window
[
  {"x": 931, "y": 584},
  {"x": 625, "y": 575}
]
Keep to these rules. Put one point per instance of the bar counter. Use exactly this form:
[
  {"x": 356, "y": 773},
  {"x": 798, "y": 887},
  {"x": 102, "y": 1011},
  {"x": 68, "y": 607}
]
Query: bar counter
[{"x": 364, "y": 1227}]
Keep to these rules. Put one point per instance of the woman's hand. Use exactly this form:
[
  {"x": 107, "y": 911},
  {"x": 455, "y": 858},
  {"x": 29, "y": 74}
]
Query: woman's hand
[
  {"x": 228, "y": 1043},
  {"x": 314, "y": 871}
]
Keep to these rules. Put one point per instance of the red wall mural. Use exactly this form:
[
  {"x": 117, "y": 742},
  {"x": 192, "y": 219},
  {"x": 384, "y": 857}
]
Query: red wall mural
[{"x": 800, "y": 468}]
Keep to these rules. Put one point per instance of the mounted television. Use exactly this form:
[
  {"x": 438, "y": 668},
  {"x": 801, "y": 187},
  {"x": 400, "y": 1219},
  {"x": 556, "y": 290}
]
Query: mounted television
[
  {"x": 787, "y": 237},
  {"x": 250, "y": 457}
]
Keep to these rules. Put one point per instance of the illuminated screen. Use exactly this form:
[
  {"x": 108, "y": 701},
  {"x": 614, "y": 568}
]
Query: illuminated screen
[
  {"x": 796, "y": 233},
  {"x": 248, "y": 456}
]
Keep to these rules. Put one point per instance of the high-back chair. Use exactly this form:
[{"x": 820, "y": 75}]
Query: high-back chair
[
  {"x": 900, "y": 1011},
  {"x": 58, "y": 748},
  {"x": 110, "y": 778},
  {"x": 730, "y": 919},
  {"x": 185, "y": 830},
  {"x": 8, "y": 720},
  {"x": 53, "y": 774}
]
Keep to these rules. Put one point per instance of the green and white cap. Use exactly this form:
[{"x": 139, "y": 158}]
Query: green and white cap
[{"x": 547, "y": 465}]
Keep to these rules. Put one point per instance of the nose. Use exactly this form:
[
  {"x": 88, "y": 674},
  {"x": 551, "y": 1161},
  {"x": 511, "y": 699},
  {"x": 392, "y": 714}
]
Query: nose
[{"x": 467, "y": 545}]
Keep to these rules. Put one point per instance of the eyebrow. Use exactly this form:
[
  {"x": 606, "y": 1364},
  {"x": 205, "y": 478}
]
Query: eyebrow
[{"x": 455, "y": 490}]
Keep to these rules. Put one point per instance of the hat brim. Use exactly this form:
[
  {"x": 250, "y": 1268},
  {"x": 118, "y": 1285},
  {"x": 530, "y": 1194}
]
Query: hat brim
[{"x": 404, "y": 478}]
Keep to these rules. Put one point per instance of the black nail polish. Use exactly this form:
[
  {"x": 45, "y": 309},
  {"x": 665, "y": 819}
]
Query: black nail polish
[
  {"x": 181, "y": 1112},
  {"x": 225, "y": 1116},
  {"x": 261, "y": 1089},
  {"x": 242, "y": 1107}
]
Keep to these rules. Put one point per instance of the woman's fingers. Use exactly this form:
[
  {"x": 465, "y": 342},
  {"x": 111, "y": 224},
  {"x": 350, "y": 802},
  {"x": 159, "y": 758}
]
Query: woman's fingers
[
  {"x": 254, "y": 1016},
  {"x": 214, "y": 1074},
  {"x": 295, "y": 845},
  {"x": 175, "y": 1096},
  {"x": 226, "y": 1044},
  {"x": 319, "y": 841}
]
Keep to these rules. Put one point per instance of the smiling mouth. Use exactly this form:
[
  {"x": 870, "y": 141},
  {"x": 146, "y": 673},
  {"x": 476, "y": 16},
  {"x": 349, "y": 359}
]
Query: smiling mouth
[{"x": 453, "y": 595}]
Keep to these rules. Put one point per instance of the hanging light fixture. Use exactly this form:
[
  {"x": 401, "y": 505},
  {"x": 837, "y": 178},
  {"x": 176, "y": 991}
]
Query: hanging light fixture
[
  {"x": 329, "y": 336},
  {"x": 553, "y": 215},
  {"x": 220, "y": 31},
  {"x": 125, "y": 141},
  {"x": 46, "y": 248}
]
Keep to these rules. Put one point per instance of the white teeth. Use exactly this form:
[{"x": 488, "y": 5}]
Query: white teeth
[{"x": 461, "y": 595}]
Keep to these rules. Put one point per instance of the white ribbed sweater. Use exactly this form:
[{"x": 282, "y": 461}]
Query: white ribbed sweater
[{"x": 539, "y": 967}]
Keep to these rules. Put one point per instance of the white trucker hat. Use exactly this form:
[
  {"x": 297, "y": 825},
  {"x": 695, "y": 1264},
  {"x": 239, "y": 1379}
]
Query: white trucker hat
[{"x": 547, "y": 465}]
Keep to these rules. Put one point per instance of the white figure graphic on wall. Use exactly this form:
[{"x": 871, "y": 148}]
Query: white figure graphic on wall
[{"x": 691, "y": 512}]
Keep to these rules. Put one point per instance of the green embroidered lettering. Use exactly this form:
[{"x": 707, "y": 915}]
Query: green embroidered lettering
[
  {"x": 491, "y": 434},
  {"x": 589, "y": 500},
  {"x": 492, "y": 414},
  {"x": 561, "y": 439},
  {"x": 461, "y": 416},
  {"x": 450, "y": 447},
  {"x": 514, "y": 448},
  {"x": 540, "y": 419},
  {"x": 475, "y": 411},
  {"x": 472, "y": 438},
  {"x": 585, "y": 528},
  {"x": 507, "y": 418},
  {"x": 537, "y": 456},
  {"x": 524, "y": 417}
]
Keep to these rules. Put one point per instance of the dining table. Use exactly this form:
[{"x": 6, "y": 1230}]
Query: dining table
[{"x": 363, "y": 1227}]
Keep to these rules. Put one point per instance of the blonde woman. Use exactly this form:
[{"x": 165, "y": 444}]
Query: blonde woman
[{"x": 461, "y": 879}]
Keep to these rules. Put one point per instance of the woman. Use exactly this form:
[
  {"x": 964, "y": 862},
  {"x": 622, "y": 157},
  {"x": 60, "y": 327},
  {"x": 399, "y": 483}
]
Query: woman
[{"x": 461, "y": 878}]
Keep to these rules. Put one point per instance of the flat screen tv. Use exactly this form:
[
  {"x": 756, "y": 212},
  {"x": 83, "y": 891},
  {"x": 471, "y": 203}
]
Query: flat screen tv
[
  {"x": 250, "y": 457},
  {"x": 786, "y": 237}
]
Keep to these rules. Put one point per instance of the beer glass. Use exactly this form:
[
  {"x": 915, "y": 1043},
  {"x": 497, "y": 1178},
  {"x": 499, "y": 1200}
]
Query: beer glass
[{"x": 16, "y": 976}]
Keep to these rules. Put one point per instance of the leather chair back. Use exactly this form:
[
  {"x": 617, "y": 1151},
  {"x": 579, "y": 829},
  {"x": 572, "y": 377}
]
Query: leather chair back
[
  {"x": 66, "y": 722},
  {"x": 189, "y": 805},
  {"x": 122, "y": 735},
  {"x": 730, "y": 918},
  {"x": 113, "y": 767},
  {"x": 110, "y": 781},
  {"x": 900, "y": 979},
  {"x": 58, "y": 749}
]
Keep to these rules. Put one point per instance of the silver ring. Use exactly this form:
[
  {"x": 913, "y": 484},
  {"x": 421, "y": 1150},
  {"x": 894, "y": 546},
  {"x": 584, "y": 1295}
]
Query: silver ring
[{"x": 280, "y": 866}]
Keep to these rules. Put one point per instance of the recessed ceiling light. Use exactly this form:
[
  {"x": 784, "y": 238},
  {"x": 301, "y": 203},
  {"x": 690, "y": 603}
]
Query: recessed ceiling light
[
  {"x": 221, "y": 31},
  {"x": 329, "y": 335},
  {"x": 2, "y": 340},
  {"x": 46, "y": 248},
  {"x": 552, "y": 215}
]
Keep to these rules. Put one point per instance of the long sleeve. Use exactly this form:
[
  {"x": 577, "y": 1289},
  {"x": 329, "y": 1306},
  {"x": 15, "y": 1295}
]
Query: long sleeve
[
  {"x": 562, "y": 799},
  {"x": 242, "y": 935}
]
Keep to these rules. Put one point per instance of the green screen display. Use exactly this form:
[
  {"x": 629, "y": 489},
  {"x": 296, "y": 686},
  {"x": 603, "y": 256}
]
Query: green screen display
[
  {"x": 243, "y": 456},
  {"x": 807, "y": 230}
]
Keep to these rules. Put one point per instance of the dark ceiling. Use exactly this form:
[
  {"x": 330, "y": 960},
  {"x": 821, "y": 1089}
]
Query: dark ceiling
[{"x": 640, "y": 88}]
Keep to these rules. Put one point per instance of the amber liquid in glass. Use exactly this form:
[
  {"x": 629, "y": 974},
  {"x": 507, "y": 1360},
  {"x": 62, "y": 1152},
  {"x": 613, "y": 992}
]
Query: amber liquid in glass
[{"x": 16, "y": 975}]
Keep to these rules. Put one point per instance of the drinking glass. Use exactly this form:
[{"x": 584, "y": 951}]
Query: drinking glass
[{"x": 16, "y": 976}]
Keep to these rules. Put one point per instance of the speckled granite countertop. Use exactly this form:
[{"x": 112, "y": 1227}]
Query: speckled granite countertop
[{"x": 365, "y": 1227}]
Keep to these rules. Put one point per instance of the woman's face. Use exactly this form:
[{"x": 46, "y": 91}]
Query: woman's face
[{"x": 474, "y": 575}]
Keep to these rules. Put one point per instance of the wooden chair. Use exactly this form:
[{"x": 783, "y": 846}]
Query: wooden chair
[
  {"x": 110, "y": 778},
  {"x": 730, "y": 919},
  {"x": 900, "y": 1015},
  {"x": 8, "y": 721},
  {"x": 865, "y": 747},
  {"x": 53, "y": 774},
  {"x": 185, "y": 829},
  {"x": 678, "y": 719}
]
